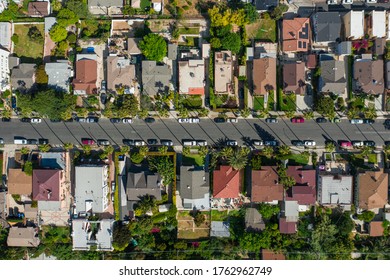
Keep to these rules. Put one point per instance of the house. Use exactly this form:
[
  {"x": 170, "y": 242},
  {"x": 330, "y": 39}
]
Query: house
[
  {"x": 311, "y": 61},
  {"x": 304, "y": 190},
  {"x": 23, "y": 237},
  {"x": 327, "y": 27},
  {"x": 4, "y": 69},
  {"x": 265, "y": 185},
  {"x": 264, "y": 75},
  {"x": 194, "y": 188},
  {"x": 265, "y": 49},
  {"x": 368, "y": 76},
  {"x": 332, "y": 78},
  {"x": 376, "y": 228},
  {"x": 335, "y": 189},
  {"x": 59, "y": 74},
  {"x": 91, "y": 189},
  {"x": 253, "y": 220},
  {"x": 219, "y": 229},
  {"x": 105, "y": 7},
  {"x": 5, "y": 35},
  {"x": 132, "y": 46},
  {"x": 289, "y": 217},
  {"x": 86, "y": 76},
  {"x": 226, "y": 182},
  {"x": 379, "y": 47},
  {"x": 376, "y": 24},
  {"x": 265, "y": 5},
  {"x": 223, "y": 76},
  {"x": 39, "y": 8},
  {"x": 120, "y": 74},
  {"x": 192, "y": 76},
  {"x": 19, "y": 182},
  {"x": 344, "y": 48},
  {"x": 354, "y": 24},
  {"x": 156, "y": 79},
  {"x": 46, "y": 188},
  {"x": 372, "y": 188},
  {"x": 87, "y": 234},
  {"x": 23, "y": 77},
  {"x": 271, "y": 255},
  {"x": 296, "y": 35},
  {"x": 294, "y": 78}
]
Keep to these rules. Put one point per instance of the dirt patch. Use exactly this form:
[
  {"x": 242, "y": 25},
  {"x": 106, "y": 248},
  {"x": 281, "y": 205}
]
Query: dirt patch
[{"x": 188, "y": 230}]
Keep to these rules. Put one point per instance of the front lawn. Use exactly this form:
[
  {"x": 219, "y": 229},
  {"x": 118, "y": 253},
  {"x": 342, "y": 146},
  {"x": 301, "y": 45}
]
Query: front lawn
[
  {"x": 258, "y": 103},
  {"x": 263, "y": 29},
  {"x": 287, "y": 102},
  {"x": 191, "y": 101},
  {"x": 192, "y": 159},
  {"x": 298, "y": 159},
  {"x": 145, "y": 4},
  {"x": 25, "y": 48}
]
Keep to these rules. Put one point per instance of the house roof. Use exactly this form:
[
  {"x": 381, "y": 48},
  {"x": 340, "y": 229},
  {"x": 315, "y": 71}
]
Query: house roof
[
  {"x": 335, "y": 189},
  {"x": 253, "y": 220},
  {"x": 86, "y": 76},
  {"x": 46, "y": 184},
  {"x": 191, "y": 76},
  {"x": 23, "y": 237},
  {"x": 376, "y": 228},
  {"x": 87, "y": 233},
  {"x": 373, "y": 189},
  {"x": 264, "y": 75},
  {"x": 49, "y": 23},
  {"x": 264, "y": 5},
  {"x": 223, "y": 68},
  {"x": 155, "y": 78},
  {"x": 105, "y": 3},
  {"x": 344, "y": 48},
  {"x": 19, "y": 182},
  {"x": 290, "y": 211},
  {"x": 354, "y": 24},
  {"x": 296, "y": 34},
  {"x": 368, "y": 75},
  {"x": 311, "y": 61},
  {"x": 271, "y": 255},
  {"x": 59, "y": 74},
  {"x": 287, "y": 227},
  {"x": 120, "y": 73},
  {"x": 265, "y": 185},
  {"x": 327, "y": 26},
  {"x": 141, "y": 184},
  {"x": 378, "y": 22},
  {"x": 294, "y": 77},
  {"x": 226, "y": 182},
  {"x": 23, "y": 76},
  {"x": 219, "y": 229},
  {"x": 332, "y": 77},
  {"x": 194, "y": 182},
  {"x": 132, "y": 46},
  {"x": 379, "y": 46},
  {"x": 5, "y": 34},
  {"x": 39, "y": 8}
]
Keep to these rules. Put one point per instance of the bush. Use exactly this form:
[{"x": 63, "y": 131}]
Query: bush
[
  {"x": 366, "y": 216},
  {"x": 136, "y": 158},
  {"x": 28, "y": 168},
  {"x": 15, "y": 38}
]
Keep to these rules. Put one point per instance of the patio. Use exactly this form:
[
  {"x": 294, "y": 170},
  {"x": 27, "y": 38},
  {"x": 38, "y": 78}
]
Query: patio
[{"x": 228, "y": 203}]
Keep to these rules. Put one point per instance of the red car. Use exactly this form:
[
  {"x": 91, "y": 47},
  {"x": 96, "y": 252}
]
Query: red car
[
  {"x": 297, "y": 120},
  {"x": 87, "y": 141},
  {"x": 345, "y": 144}
]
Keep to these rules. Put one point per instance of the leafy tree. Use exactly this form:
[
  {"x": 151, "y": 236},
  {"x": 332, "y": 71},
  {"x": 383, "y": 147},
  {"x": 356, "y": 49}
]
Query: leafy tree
[
  {"x": 164, "y": 166},
  {"x": 44, "y": 148},
  {"x": 87, "y": 149},
  {"x": 268, "y": 152},
  {"x": 24, "y": 151},
  {"x": 28, "y": 168},
  {"x": 238, "y": 159},
  {"x": 121, "y": 236},
  {"x": 186, "y": 151},
  {"x": 232, "y": 42},
  {"x": 215, "y": 43},
  {"x": 128, "y": 10},
  {"x": 268, "y": 210},
  {"x": 15, "y": 38},
  {"x": 127, "y": 106},
  {"x": 330, "y": 147},
  {"x": 58, "y": 33},
  {"x": 199, "y": 217},
  {"x": 68, "y": 146},
  {"x": 251, "y": 14},
  {"x": 256, "y": 162},
  {"x": 325, "y": 106},
  {"x": 66, "y": 17},
  {"x": 79, "y": 7},
  {"x": 34, "y": 34},
  {"x": 278, "y": 12},
  {"x": 40, "y": 75},
  {"x": 146, "y": 204},
  {"x": 366, "y": 216},
  {"x": 153, "y": 47},
  {"x": 72, "y": 38}
]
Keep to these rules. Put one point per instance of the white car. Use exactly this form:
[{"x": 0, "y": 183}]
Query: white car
[
  {"x": 357, "y": 143},
  {"x": 371, "y": 1},
  {"x": 183, "y": 120},
  {"x": 310, "y": 143},
  {"x": 193, "y": 120},
  {"x": 356, "y": 121},
  {"x": 189, "y": 143},
  {"x": 139, "y": 143},
  {"x": 232, "y": 120},
  {"x": 127, "y": 120},
  {"x": 347, "y": 2},
  {"x": 331, "y": 2},
  {"x": 36, "y": 120},
  {"x": 231, "y": 143},
  {"x": 201, "y": 142},
  {"x": 257, "y": 143}
]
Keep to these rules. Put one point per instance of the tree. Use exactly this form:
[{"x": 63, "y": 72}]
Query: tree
[
  {"x": 108, "y": 150},
  {"x": 199, "y": 218},
  {"x": 34, "y": 34},
  {"x": 28, "y": 168},
  {"x": 58, "y": 33},
  {"x": 66, "y": 17},
  {"x": 278, "y": 12},
  {"x": 325, "y": 106},
  {"x": 366, "y": 216},
  {"x": 256, "y": 162},
  {"x": 251, "y": 14},
  {"x": 245, "y": 112},
  {"x": 68, "y": 146},
  {"x": 72, "y": 38},
  {"x": 163, "y": 150},
  {"x": 226, "y": 152},
  {"x": 232, "y": 42},
  {"x": 215, "y": 43},
  {"x": 308, "y": 114},
  {"x": 6, "y": 114},
  {"x": 288, "y": 182},
  {"x": 143, "y": 151},
  {"x": 127, "y": 106},
  {"x": 124, "y": 150},
  {"x": 268, "y": 210},
  {"x": 15, "y": 38},
  {"x": 284, "y": 150},
  {"x": 143, "y": 113},
  {"x": 203, "y": 151},
  {"x": 237, "y": 159},
  {"x": 330, "y": 147},
  {"x": 41, "y": 76},
  {"x": 370, "y": 112},
  {"x": 268, "y": 152},
  {"x": 153, "y": 47},
  {"x": 186, "y": 151},
  {"x": 44, "y": 148},
  {"x": 164, "y": 166},
  {"x": 145, "y": 204},
  {"x": 121, "y": 236},
  {"x": 352, "y": 113},
  {"x": 80, "y": 8},
  {"x": 24, "y": 151},
  {"x": 128, "y": 10},
  {"x": 87, "y": 149}
]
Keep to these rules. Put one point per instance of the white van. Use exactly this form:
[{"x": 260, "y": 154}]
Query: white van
[
  {"x": 20, "y": 141},
  {"x": 189, "y": 143}
]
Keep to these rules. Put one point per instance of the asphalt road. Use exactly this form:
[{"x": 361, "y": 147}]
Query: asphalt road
[{"x": 284, "y": 131}]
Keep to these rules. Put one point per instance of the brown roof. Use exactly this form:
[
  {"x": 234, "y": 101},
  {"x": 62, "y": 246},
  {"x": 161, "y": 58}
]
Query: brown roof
[
  {"x": 373, "y": 189},
  {"x": 376, "y": 228},
  {"x": 46, "y": 185},
  {"x": 304, "y": 190},
  {"x": 294, "y": 77},
  {"x": 38, "y": 8},
  {"x": 296, "y": 35},
  {"x": 271, "y": 255},
  {"x": 265, "y": 187},
  {"x": 86, "y": 75},
  {"x": 19, "y": 182},
  {"x": 311, "y": 61},
  {"x": 120, "y": 73},
  {"x": 287, "y": 227},
  {"x": 368, "y": 75},
  {"x": 23, "y": 237},
  {"x": 226, "y": 182},
  {"x": 264, "y": 75},
  {"x": 379, "y": 46}
]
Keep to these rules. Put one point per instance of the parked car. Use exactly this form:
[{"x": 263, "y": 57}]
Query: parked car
[
  {"x": 369, "y": 143},
  {"x": 104, "y": 85},
  {"x": 13, "y": 102},
  {"x": 336, "y": 120},
  {"x": 297, "y": 143},
  {"x": 127, "y": 120},
  {"x": 80, "y": 119},
  {"x": 189, "y": 142},
  {"x": 43, "y": 141},
  {"x": 115, "y": 120},
  {"x": 150, "y": 120},
  {"x": 26, "y": 120},
  {"x": 219, "y": 120},
  {"x": 371, "y": 1},
  {"x": 103, "y": 142},
  {"x": 308, "y": 75},
  {"x": 310, "y": 143},
  {"x": 92, "y": 119},
  {"x": 32, "y": 141},
  {"x": 201, "y": 142},
  {"x": 347, "y": 2},
  {"x": 87, "y": 141},
  {"x": 182, "y": 120},
  {"x": 271, "y": 120},
  {"x": 20, "y": 140},
  {"x": 5, "y": 119},
  {"x": 128, "y": 142},
  {"x": 356, "y": 121},
  {"x": 309, "y": 89},
  {"x": 139, "y": 143},
  {"x": 387, "y": 143},
  {"x": 36, "y": 120},
  {"x": 298, "y": 120},
  {"x": 256, "y": 142},
  {"x": 103, "y": 98},
  {"x": 387, "y": 123},
  {"x": 321, "y": 120},
  {"x": 357, "y": 143},
  {"x": 272, "y": 143},
  {"x": 231, "y": 143},
  {"x": 1, "y": 141},
  {"x": 368, "y": 121},
  {"x": 152, "y": 141},
  {"x": 345, "y": 144},
  {"x": 166, "y": 142},
  {"x": 194, "y": 120},
  {"x": 113, "y": 186},
  {"x": 232, "y": 120},
  {"x": 331, "y": 2}
]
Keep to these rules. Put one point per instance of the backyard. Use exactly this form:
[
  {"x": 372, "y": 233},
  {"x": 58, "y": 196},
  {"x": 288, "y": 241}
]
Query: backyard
[
  {"x": 27, "y": 49},
  {"x": 145, "y": 4},
  {"x": 187, "y": 228},
  {"x": 263, "y": 29},
  {"x": 222, "y": 215}
]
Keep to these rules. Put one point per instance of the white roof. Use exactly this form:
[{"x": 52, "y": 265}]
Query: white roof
[
  {"x": 335, "y": 189},
  {"x": 378, "y": 21},
  {"x": 86, "y": 233},
  {"x": 191, "y": 75},
  {"x": 157, "y": 6},
  {"x": 356, "y": 26}
]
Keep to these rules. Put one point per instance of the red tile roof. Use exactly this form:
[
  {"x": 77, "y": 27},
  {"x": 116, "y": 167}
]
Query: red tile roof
[
  {"x": 296, "y": 34},
  {"x": 46, "y": 185},
  {"x": 304, "y": 190},
  {"x": 287, "y": 227},
  {"x": 86, "y": 75},
  {"x": 264, "y": 75},
  {"x": 265, "y": 185},
  {"x": 226, "y": 182},
  {"x": 376, "y": 228},
  {"x": 311, "y": 61},
  {"x": 271, "y": 255}
]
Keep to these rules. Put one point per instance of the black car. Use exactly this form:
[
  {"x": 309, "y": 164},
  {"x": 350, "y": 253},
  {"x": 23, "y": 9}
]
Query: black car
[
  {"x": 27, "y": 120},
  {"x": 150, "y": 120},
  {"x": 13, "y": 102},
  {"x": 368, "y": 121},
  {"x": 92, "y": 119},
  {"x": 55, "y": 120},
  {"x": 152, "y": 141},
  {"x": 43, "y": 141},
  {"x": 271, "y": 120},
  {"x": 32, "y": 141},
  {"x": 5, "y": 119},
  {"x": 387, "y": 143},
  {"x": 369, "y": 143},
  {"x": 321, "y": 120},
  {"x": 297, "y": 143},
  {"x": 115, "y": 120},
  {"x": 128, "y": 142},
  {"x": 272, "y": 143},
  {"x": 219, "y": 120},
  {"x": 103, "y": 98}
]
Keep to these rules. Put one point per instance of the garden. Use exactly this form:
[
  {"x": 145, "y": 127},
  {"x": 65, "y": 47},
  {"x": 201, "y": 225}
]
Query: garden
[
  {"x": 193, "y": 228},
  {"x": 28, "y": 42}
]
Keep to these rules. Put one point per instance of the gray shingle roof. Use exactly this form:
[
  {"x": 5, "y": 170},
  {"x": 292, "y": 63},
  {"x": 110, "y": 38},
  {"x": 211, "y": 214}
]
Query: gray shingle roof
[
  {"x": 155, "y": 78},
  {"x": 23, "y": 76},
  {"x": 253, "y": 220},
  {"x": 194, "y": 182},
  {"x": 220, "y": 229},
  {"x": 327, "y": 26},
  {"x": 332, "y": 76},
  {"x": 58, "y": 74},
  {"x": 141, "y": 184}
]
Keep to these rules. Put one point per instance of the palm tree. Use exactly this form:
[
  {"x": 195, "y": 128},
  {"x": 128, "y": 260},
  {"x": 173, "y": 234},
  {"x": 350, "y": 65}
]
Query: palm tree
[
  {"x": 226, "y": 152},
  {"x": 203, "y": 151},
  {"x": 284, "y": 150},
  {"x": 87, "y": 149},
  {"x": 146, "y": 204},
  {"x": 108, "y": 150},
  {"x": 244, "y": 151},
  {"x": 289, "y": 114},
  {"x": 352, "y": 113},
  {"x": 370, "y": 113},
  {"x": 6, "y": 114},
  {"x": 25, "y": 150},
  {"x": 245, "y": 112},
  {"x": 288, "y": 182},
  {"x": 330, "y": 147},
  {"x": 125, "y": 150},
  {"x": 68, "y": 146},
  {"x": 308, "y": 114},
  {"x": 163, "y": 150},
  {"x": 268, "y": 152},
  {"x": 186, "y": 151},
  {"x": 44, "y": 148},
  {"x": 238, "y": 160},
  {"x": 366, "y": 150},
  {"x": 142, "y": 114},
  {"x": 143, "y": 151}
]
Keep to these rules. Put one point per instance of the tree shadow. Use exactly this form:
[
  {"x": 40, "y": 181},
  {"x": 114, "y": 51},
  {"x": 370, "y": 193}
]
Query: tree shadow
[{"x": 263, "y": 134}]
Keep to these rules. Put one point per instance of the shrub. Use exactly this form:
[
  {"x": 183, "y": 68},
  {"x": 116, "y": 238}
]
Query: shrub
[
  {"x": 136, "y": 158},
  {"x": 15, "y": 38}
]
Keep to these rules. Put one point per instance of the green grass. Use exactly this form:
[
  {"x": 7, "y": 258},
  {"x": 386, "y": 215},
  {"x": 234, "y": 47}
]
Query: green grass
[
  {"x": 298, "y": 159},
  {"x": 263, "y": 29},
  {"x": 288, "y": 102},
  {"x": 271, "y": 100},
  {"x": 258, "y": 103},
  {"x": 189, "y": 30},
  {"x": 145, "y": 4},
  {"x": 222, "y": 215},
  {"x": 192, "y": 101},
  {"x": 372, "y": 158},
  {"x": 26, "y": 49},
  {"x": 192, "y": 159}
]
